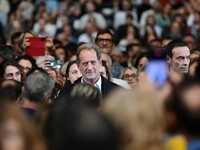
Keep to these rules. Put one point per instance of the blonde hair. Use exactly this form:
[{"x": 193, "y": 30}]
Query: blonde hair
[
  {"x": 128, "y": 68},
  {"x": 138, "y": 116},
  {"x": 21, "y": 37}
]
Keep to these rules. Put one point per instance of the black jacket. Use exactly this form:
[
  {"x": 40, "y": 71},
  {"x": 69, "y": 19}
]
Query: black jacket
[{"x": 106, "y": 87}]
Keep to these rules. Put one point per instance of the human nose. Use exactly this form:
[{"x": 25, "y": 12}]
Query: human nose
[
  {"x": 15, "y": 77},
  {"x": 89, "y": 66},
  {"x": 186, "y": 61}
]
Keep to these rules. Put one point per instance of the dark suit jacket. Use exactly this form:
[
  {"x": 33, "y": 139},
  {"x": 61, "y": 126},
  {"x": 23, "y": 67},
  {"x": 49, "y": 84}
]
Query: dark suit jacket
[{"x": 106, "y": 87}]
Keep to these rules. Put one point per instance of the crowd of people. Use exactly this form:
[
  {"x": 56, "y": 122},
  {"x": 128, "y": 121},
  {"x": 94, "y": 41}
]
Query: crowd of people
[{"x": 100, "y": 74}]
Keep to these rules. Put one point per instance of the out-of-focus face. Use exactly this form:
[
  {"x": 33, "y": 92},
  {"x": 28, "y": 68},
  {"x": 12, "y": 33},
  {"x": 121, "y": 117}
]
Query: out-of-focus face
[
  {"x": 105, "y": 57},
  {"x": 130, "y": 77},
  {"x": 12, "y": 72},
  {"x": 105, "y": 42},
  {"x": 89, "y": 66},
  {"x": 26, "y": 65},
  {"x": 74, "y": 73},
  {"x": 103, "y": 72},
  {"x": 60, "y": 53},
  {"x": 190, "y": 42},
  {"x": 12, "y": 138},
  {"x": 180, "y": 60},
  {"x": 142, "y": 62}
]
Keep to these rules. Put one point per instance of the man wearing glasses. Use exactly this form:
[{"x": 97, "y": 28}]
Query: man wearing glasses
[{"x": 105, "y": 40}]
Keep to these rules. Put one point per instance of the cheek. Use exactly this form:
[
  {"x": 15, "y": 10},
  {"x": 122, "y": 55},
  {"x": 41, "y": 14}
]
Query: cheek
[{"x": 177, "y": 64}]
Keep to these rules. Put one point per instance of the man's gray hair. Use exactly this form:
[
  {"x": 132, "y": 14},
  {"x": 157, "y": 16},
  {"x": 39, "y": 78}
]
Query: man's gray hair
[
  {"x": 88, "y": 46},
  {"x": 37, "y": 86}
]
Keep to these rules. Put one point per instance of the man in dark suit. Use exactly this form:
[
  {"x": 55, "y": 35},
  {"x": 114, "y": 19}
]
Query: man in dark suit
[{"x": 89, "y": 63}]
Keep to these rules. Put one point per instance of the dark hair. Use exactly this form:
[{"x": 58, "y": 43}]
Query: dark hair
[
  {"x": 29, "y": 58},
  {"x": 10, "y": 90},
  {"x": 105, "y": 31},
  {"x": 107, "y": 70},
  {"x": 7, "y": 52},
  {"x": 139, "y": 57},
  {"x": 37, "y": 69},
  {"x": 129, "y": 46},
  {"x": 14, "y": 36},
  {"x": 74, "y": 125},
  {"x": 68, "y": 67},
  {"x": 5, "y": 64},
  {"x": 171, "y": 45}
]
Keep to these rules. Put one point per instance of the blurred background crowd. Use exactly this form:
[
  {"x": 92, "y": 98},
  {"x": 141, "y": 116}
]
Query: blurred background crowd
[{"x": 44, "y": 103}]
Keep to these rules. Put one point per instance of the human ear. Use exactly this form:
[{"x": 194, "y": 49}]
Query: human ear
[{"x": 168, "y": 59}]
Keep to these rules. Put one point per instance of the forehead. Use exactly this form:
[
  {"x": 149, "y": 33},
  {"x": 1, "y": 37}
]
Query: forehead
[
  {"x": 73, "y": 67},
  {"x": 11, "y": 69},
  {"x": 87, "y": 55},
  {"x": 25, "y": 62},
  {"x": 128, "y": 71},
  {"x": 60, "y": 50},
  {"x": 105, "y": 36},
  {"x": 181, "y": 51}
]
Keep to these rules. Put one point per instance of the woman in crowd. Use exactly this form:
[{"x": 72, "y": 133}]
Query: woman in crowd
[
  {"x": 72, "y": 72},
  {"x": 26, "y": 62},
  {"x": 129, "y": 74},
  {"x": 11, "y": 70}
]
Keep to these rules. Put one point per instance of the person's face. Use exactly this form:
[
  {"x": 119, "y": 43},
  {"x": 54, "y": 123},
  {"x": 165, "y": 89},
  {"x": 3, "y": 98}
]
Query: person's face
[
  {"x": 142, "y": 62},
  {"x": 60, "y": 53},
  {"x": 89, "y": 66},
  {"x": 180, "y": 60},
  {"x": 190, "y": 42},
  {"x": 105, "y": 57},
  {"x": 26, "y": 65},
  {"x": 74, "y": 73},
  {"x": 103, "y": 72},
  {"x": 130, "y": 77},
  {"x": 12, "y": 72},
  {"x": 105, "y": 42}
]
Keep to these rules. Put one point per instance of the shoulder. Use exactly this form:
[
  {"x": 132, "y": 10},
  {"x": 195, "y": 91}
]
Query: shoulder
[{"x": 109, "y": 83}]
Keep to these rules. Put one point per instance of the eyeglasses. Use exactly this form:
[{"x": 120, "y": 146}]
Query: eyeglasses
[
  {"x": 127, "y": 76},
  {"x": 25, "y": 68},
  {"x": 12, "y": 75},
  {"x": 100, "y": 40}
]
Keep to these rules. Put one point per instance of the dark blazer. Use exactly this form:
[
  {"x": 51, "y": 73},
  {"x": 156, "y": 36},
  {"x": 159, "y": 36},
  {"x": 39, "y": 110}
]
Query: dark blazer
[{"x": 106, "y": 87}]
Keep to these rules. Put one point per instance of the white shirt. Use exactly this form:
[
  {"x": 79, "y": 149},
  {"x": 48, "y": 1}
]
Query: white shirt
[{"x": 97, "y": 84}]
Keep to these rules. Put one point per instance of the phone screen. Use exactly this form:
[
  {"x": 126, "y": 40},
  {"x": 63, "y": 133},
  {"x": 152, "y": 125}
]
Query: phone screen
[
  {"x": 157, "y": 72},
  {"x": 37, "y": 46},
  {"x": 157, "y": 68}
]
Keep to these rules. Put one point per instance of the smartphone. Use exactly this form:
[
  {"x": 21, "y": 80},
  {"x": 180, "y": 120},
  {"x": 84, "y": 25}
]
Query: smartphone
[
  {"x": 55, "y": 64},
  {"x": 37, "y": 46},
  {"x": 157, "y": 67}
]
